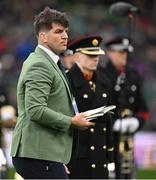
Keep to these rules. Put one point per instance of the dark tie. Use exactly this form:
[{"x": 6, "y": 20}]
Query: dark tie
[{"x": 62, "y": 68}]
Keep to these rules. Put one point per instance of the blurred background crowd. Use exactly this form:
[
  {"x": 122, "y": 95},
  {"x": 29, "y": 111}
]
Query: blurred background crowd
[{"x": 86, "y": 17}]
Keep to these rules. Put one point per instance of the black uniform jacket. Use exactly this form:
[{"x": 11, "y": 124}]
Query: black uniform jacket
[
  {"x": 95, "y": 144},
  {"x": 128, "y": 94},
  {"x": 128, "y": 98}
]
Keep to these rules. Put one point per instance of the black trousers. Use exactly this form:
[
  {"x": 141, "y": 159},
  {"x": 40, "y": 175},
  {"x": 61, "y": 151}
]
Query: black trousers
[{"x": 39, "y": 169}]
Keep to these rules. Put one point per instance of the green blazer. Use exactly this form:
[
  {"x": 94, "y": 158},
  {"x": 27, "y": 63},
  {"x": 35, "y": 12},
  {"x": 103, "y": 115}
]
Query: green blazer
[{"x": 44, "y": 111}]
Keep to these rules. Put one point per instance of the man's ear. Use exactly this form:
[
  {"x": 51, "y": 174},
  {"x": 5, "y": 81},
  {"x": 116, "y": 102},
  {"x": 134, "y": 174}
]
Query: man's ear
[
  {"x": 76, "y": 57},
  {"x": 43, "y": 37}
]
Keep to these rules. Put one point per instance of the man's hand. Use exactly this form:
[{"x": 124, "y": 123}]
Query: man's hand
[
  {"x": 126, "y": 125},
  {"x": 79, "y": 121}
]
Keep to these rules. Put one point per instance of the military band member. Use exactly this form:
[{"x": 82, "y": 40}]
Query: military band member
[
  {"x": 7, "y": 122},
  {"x": 131, "y": 112},
  {"x": 67, "y": 59},
  {"x": 3, "y": 101},
  {"x": 95, "y": 144}
]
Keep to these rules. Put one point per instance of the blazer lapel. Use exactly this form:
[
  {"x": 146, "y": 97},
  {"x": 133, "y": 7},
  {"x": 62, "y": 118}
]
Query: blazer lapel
[{"x": 40, "y": 51}]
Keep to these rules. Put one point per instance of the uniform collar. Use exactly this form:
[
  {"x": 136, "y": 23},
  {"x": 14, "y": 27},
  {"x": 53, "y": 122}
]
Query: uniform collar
[
  {"x": 52, "y": 55},
  {"x": 77, "y": 76}
]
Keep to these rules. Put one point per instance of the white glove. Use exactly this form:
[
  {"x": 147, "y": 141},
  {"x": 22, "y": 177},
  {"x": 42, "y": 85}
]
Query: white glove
[
  {"x": 2, "y": 158},
  {"x": 111, "y": 170},
  {"x": 126, "y": 125},
  {"x": 111, "y": 166},
  {"x": 7, "y": 112}
]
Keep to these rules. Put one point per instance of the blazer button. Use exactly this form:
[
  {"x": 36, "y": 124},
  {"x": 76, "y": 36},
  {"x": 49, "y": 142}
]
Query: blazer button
[
  {"x": 104, "y": 129},
  {"x": 104, "y": 147},
  {"x": 92, "y": 130},
  {"x": 93, "y": 166},
  {"x": 105, "y": 165},
  {"x": 92, "y": 148},
  {"x": 85, "y": 96}
]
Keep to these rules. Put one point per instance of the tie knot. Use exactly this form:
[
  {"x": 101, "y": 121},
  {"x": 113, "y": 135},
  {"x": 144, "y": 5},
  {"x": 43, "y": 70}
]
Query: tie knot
[{"x": 61, "y": 66}]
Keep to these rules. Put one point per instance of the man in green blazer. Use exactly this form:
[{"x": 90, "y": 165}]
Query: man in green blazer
[{"x": 42, "y": 140}]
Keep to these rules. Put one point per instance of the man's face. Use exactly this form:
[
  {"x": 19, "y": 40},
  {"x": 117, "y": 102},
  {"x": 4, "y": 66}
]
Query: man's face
[
  {"x": 55, "y": 39},
  {"x": 118, "y": 58},
  {"x": 87, "y": 62},
  {"x": 68, "y": 61}
]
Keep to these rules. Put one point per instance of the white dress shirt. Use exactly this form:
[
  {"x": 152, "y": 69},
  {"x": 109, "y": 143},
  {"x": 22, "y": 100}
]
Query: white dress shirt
[{"x": 53, "y": 56}]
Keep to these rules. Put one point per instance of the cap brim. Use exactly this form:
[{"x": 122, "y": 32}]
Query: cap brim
[
  {"x": 97, "y": 52},
  {"x": 121, "y": 48}
]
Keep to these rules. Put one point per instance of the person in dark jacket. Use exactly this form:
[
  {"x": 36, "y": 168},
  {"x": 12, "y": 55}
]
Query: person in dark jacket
[
  {"x": 67, "y": 59},
  {"x": 95, "y": 150},
  {"x": 131, "y": 112}
]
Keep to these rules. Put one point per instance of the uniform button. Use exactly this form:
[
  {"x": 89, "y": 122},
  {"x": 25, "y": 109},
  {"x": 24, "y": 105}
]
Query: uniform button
[
  {"x": 93, "y": 166},
  {"x": 104, "y": 129},
  {"x": 131, "y": 100},
  {"x": 92, "y": 147},
  {"x": 133, "y": 87},
  {"x": 85, "y": 96},
  {"x": 104, "y": 147},
  {"x": 90, "y": 82},
  {"x": 117, "y": 88},
  {"x": 105, "y": 165},
  {"x": 104, "y": 95},
  {"x": 91, "y": 129},
  {"x": 2, "y": 98}
]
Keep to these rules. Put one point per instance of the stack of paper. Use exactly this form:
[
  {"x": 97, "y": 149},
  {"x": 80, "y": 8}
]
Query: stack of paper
[{"x": 94, "y": 113}]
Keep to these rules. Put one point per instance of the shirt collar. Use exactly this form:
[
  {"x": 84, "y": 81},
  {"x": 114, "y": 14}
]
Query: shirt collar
[{"x": 53, "y": 56}]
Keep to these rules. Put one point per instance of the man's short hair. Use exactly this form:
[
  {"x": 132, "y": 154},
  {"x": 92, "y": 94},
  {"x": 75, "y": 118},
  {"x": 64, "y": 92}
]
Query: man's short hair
[{"x": 44, "y": 20}]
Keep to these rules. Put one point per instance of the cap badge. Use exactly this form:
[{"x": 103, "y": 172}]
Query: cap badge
[
  {"x": 95, "y": 42},
  {"x": 125, "y": 41}
]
